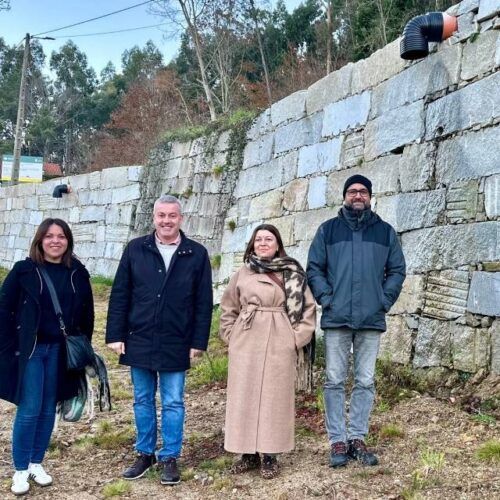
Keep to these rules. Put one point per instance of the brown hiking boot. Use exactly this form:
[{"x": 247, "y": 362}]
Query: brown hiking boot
[
  {"x": 245, "y": 463},
  {"x": 269, "y": 468}
]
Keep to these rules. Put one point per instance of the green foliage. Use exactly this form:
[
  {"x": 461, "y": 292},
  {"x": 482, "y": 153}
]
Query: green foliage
[
  {"x": 101, "y": 280},
  {"x": 218, "y": 464},
  {"x": 391, "y": 431},
  {"x": 489, "y": 451},
  {"x": 208, "y": 371},
  {"x": 3, "y": 274},
  {"x": 231, "y": 225},
  {"x": 187, "y": 474},
  {"x": 116, "y": 489},
  {"x": 484, "y": 419},
  {"x": 218, "y": 170},
  {"x": 215, "y": 261}
]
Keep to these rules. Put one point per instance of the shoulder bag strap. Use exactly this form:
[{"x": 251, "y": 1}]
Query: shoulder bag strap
[{"x": 53, "y": 296}]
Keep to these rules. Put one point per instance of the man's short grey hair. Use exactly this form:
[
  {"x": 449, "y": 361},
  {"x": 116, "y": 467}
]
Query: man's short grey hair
[{"x": 167, "y": 198}]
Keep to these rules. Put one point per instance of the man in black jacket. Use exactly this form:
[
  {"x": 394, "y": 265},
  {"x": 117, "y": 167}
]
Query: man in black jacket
[
  {"x": 158, "y": 319},
  {"x": 355, "y": 269}
]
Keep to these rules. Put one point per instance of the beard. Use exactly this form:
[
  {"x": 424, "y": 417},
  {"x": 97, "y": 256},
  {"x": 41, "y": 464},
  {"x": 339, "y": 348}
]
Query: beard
[{"x": 357, "y": 207}]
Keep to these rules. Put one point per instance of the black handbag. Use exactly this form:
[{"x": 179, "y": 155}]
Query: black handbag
[{"x": 79, "y": 352}]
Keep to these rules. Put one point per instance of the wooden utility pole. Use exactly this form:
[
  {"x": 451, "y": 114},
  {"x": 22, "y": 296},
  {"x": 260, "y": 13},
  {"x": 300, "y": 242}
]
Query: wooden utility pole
[{"x": 14, "y": 178}]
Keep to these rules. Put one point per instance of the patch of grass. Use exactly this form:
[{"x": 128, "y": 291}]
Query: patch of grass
[
  {"x": 187, "y": 474},
  {"x": 484, "y": 419},
  {"x": 320, "y": 399},
  {"x": 101, "y": 280},
  {"x": 432, "y": 461},
  {"x": 3, "y": 274},
  {"x": 215, "y": 261},
  {"x": 417, "y": 483},
  {"x": 107, "y": 438},
  {"x": 104, "y": 426},
  {"x": 218, "y": 464},
  {"x": 121, "y": 394},
  {"x": 153, "y": 473},
  {"x": 194, "y": 437},
  {"x": 116, "y": 489},
  {"x": 391, "y": 431},
  {"x": 222, "y": 483},
  {"x": 489, "y": 451},
  {"x": 302, "y": 431},
  {"x": 218, "y": 170},
  {"x": 382, "y": 407},
  {"x": 209, "y": 370},
  {"x": 231, "y": 225}
]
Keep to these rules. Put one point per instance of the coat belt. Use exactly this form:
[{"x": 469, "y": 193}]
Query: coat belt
[{"x": 248, "y": 313}]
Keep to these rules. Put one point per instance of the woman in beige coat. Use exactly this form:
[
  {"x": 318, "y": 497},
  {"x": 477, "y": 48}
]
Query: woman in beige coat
[{"x": 268, "y": 313}]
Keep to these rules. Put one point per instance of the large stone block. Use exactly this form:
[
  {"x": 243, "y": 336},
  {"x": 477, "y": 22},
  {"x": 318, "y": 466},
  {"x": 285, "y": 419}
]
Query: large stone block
[
  {"x": 234, "y": 241},
  {"x": 484, "y": 294},
  {"x": 433, "y": 345},
  {"x": 293, "y": 136},
  {"x": 492, "y": 196},
  {"x": 92, "y": 214},
  {"x": 331, "y": 88},
  {"x": 287, "y": 165},
  {"x": 434, "y": 73},
  {"x": 114, "y": 177},
  {"x": 450, "y": 246},
  {"x": 446, "y": 294},
  {"x": 258, "y": 151},
  {"x": 292, "y": 107},
  {"x": 84, "y": 232},
  {"x": 320, "y": 157},
  {"x": 394, "y": 129},
  {"x": 383, "y": 173},
  {"x": 478, "y": 103},
  {"x": 260, "y": 126},
  {"x": 316, "y": 196},
  {"x": 285, "y": 226},
  {"x": 307, "y": 223},
  {"x": 412, "y": 210},
  {"x": 410, "y": 301},
  {"x": 479, "y": 56},
  {"x": 488, "y": 8},
  {"x": 494, "y": 332},
  {"x": 126, "y": 193},
  {"x": 266, "y": 206},
  {"x": 381, "y": 65},
  {"x": 417, "y": 166},
  {"x": 258, "y": 180},
  {"x": 396, "y": 342},
  {"x": 470, "y": 156},
  {"x": 36, "y": 217},
  {"x": 300, "y": 252},
  {"x": 295, "y": 195},
  {"x": 462, "y": 201},
  {"x": 117, "y": 233},
  {"x": 462, "y": 348},
  {"x": 348, "y": 113}
]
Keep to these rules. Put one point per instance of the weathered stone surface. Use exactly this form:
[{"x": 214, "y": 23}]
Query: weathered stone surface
[
  {"x": 410, "y": 301},
  {"x": 450, "y": 246},
  {"x": 316, "y": 197},
  {"x": 266, "y": 206},
  {"x": 94, "y": 180},
  {"x": 488, "y": 8},
  {"x": 494, "y": 332},
  {"x": 394, "y": 129},
  {"x": 84, "y": 232},
  {"x": 260, "y": 126},
  {"x": 117, "y": 233},
  {"x": 113, "y": 250},
  {"x": 417, "y": 166},
  {"x": 293, "y": 135},
  {"x": 396, "y": 342},
  {"x": 257, "y": 180},
  {"x": 433, "y": 345},
  {"x": 36, "y": 217},
  {"x": 295, "y": 195},
  {"x": 292, "y": 107},
  {"x": 234, "y": 241},
  {"x": 484, "y": 294},
  {"x": 478, "y": 103},
  {"x": 320, "y": 157},
  {"x": 412, "y": 210},
  {"x": 331, "y": 88},
  {"x": 307, "y": 223},
  {"x": 380, "y": 66},
  {"x": 126, "y": 193},
  {"x": 91, "y": 214},
  {"x": 287, "y": 165},
  {"x": 258, "y": 151},
  {"x": 384, "y": 174},
  {"x": 348, "y": 113},
  {"x": 464, "y": 6},
  {"x": 492, "y": 196},
  {"x": 462, "y": 201},
  {"x": 436, "y": 72},
  {"x": 462, "y": 348},
  {"x": 446, "y": 294},
  {"x": 114, "y": 177},
  {"x": 470, "y": 156},
  {"x": 479, "y": 56},
  {"x": 300, "y": 252},
  {"x": 285, "y": 226}
]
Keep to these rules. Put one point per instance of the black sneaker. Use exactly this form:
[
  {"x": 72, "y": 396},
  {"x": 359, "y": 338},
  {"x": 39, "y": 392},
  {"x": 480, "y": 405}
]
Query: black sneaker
[
  {"x": 356, "y": 449},
  {"x": 139, "y": 467},
  {"x": 338, "y": 454},
  {"x": 169, "y": 471}
]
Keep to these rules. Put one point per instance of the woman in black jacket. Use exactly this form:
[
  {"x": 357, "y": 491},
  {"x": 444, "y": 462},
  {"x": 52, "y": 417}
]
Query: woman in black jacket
[{"x": 33, "y": 371}]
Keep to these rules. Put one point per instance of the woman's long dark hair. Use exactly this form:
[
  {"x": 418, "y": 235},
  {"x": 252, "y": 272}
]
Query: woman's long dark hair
[
  {"x": 36, "y": 249},
  {"x": 264, "y": 227}
]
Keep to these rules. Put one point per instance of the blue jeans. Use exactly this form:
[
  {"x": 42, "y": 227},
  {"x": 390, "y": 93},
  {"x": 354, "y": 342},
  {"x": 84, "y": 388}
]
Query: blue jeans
[
  {"x": 37, "y": 407},
  {"x": 365, "y": 345},
  {"x": 172, "y": 411}
]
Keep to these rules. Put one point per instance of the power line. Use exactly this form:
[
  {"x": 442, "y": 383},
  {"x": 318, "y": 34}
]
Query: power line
[
  {"x": 111, "y": 32},
  {"x": 94, "y": 18}
]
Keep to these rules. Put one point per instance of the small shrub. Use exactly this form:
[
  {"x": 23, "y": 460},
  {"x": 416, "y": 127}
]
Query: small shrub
[
  {"x": 218, "y": 464},
  {"x": 231, "y": 225},
  {"x": 432, "y": 461},
  {"x": 489, "y": 451},
  {"x": 391, "y": 431},
  {"x": 215, "y": 261},
  {"x": 187, "y": 474},
  {"x": 218, "y": 170},
  {"x": 382, "y": 407},
  {"x": 222, "y": 483},
  {"x": 188, "y": 192},
  {"x": 116, "y": 489}
]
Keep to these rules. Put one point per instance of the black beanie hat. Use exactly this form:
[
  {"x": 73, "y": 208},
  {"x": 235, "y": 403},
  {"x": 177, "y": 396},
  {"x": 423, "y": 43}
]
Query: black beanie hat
[{"x": 357, "y": 179}]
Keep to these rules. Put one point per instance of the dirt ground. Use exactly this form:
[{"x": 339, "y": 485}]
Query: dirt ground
[{"x": 427, "y": 449}]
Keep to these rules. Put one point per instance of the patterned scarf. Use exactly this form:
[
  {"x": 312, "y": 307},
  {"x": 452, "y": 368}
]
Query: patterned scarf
[{"x": 294, "y": 277}]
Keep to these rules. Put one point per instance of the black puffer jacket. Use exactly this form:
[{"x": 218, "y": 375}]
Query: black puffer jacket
[
  {"x": 19, "y": 319},
  {"x": 161, "y": 315},
  {"x": 356, "y": 274}
]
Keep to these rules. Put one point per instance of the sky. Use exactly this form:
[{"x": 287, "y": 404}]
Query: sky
[{"x": 37, "y": 16}]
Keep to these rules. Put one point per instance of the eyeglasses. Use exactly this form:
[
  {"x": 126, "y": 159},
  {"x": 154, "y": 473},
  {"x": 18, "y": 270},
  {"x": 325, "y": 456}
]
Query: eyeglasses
[{"x": 353, "y": 192}]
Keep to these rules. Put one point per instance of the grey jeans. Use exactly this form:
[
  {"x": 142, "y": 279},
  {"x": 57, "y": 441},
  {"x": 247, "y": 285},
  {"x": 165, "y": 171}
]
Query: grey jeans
[{"x": 365, "y": 345}]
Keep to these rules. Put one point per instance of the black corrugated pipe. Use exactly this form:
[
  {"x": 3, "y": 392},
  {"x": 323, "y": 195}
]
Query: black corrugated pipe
[
  {"x": 419, "y": 31},
  {"x": 60, "y": 190}
]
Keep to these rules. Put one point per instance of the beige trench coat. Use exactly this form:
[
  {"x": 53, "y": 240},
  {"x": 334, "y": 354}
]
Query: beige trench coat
[{"x": 260, "y": 410}]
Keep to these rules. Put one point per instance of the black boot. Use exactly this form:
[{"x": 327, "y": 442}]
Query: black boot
[
  {"x": 142, "y": 463},
  {"x": 338, "y": 454},
  {"x": 356, "y": 449},
  {"x": 169, "y": 472}
]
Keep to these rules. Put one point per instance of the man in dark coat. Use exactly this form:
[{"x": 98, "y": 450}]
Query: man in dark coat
[
  {"x": 159, "y": 318},
  {"x": 355, "y": 269}
]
